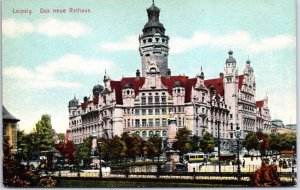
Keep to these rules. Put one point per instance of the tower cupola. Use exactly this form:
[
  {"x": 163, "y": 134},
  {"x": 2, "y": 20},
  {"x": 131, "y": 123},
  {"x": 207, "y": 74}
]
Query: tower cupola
[{"x": 153, "y": 42}]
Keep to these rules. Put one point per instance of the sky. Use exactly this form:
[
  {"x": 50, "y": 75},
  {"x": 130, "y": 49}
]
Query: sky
[{"x": 50, "y": 57}]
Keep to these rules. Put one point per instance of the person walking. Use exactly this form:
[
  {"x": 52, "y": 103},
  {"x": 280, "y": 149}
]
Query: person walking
[{"x": 243, "y": 163}]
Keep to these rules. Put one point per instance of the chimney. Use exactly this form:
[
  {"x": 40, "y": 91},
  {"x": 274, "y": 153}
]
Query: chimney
[
  {"x": 138, "y": 74},
  {"x": 221, "y": 75}
]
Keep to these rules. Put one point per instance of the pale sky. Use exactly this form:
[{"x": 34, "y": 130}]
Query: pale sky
[{"x": 49, "y": 57}]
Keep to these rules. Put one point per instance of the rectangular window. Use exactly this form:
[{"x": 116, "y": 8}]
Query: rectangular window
[
  {"x": 150, "y": 111},
  {"x": 170, "y": 110},
  {"x": 163, "y": 111},
  {"x": 157, "y": 112},
  {"x": 151, "y": 122},
  {"x": 164, "y": 122},
  {"x": 179, "y": 121},
  {"x": 137, "y": 123},
  {"x": 163, "y": 100},
  {"x": 157, "y": 122},
  {"x": 150, "y": 100},
  {"x": 144, "y": 122},
  {"x": 156, "y": 99},
  {"x": 230, "y": 116},
  {"x": 143, "y": 100},
  {"x": 143, "y": 111}
]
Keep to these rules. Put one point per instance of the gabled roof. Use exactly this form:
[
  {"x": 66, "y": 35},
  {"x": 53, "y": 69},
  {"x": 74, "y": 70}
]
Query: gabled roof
[
  {"x": 8, "y": 116},
  {"x": 187, "y": 83},
  {"x": 117, "y": 86},
  {"x": 260, "y": 103},
  {"x": 217, "y": 83}
]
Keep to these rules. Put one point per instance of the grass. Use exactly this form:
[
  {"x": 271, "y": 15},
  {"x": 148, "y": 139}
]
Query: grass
[{"x": 94, "y": 183}]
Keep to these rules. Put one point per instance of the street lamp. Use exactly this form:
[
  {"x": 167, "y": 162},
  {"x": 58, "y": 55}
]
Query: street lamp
[
  {"x": 100, "y": 168},
  {"x": 293, "y": 170},
  {"x": 237, "y": 134},
  {"x": 219, "y": 143}
]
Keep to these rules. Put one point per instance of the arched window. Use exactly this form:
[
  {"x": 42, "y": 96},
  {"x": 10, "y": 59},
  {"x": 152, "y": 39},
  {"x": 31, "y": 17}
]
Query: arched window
[
  {"x": 151, "y": 133},
  {"x": 144, "y": 134},
  {"x": 164, "y": 133},
  {"x": 157, "y": 133}
]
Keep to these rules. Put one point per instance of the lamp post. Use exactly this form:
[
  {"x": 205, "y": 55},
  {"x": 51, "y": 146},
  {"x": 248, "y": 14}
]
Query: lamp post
[
  {"x": 237, "y": 134},
  {"x": 219, "y": 143},
  {"x": 293, "y": 169},
  {"x": 100, "y": 166}
]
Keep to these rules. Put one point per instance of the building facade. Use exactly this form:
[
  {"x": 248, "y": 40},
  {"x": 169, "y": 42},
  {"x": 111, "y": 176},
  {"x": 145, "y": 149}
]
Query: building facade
[
  {"x": 279, "y": 127},
  {"x": 143, "y": 104},
  {"x": 10, "y": 124}
]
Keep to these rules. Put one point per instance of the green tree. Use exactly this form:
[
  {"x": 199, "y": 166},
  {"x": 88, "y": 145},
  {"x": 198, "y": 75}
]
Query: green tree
[
  {"x": 85, "y": 151},
  {"x": 153, "y": 147},
  {"x": 195, "y": 141},
  {"x": 183, "y": 143},
  {"x": 117, "y": 148},
  {"x": 61, "y": 136},
  {"x": 133, "y": 143},
  {"x": 275, "y": 142},
  {"x": 251, "y": 141},
  {"x": 44, "y": 136},
  {"x": 207, "y": 143}
]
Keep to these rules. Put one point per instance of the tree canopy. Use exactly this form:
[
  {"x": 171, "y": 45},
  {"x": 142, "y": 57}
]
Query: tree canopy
[{"x": 207, "y": 143}]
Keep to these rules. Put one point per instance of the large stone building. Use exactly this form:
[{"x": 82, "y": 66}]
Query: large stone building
[
  {"x": 142, "y": 104},
  {"x": 10, "y": 128}
]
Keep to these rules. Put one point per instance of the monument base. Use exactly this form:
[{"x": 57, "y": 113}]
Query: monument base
[{"x": 172, "y": 160}]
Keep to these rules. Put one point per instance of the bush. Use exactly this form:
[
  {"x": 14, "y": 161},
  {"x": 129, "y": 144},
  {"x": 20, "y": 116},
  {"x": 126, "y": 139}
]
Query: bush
[
  {"x": 47, "y": 182},
  {"x": 265, "y": 176}
]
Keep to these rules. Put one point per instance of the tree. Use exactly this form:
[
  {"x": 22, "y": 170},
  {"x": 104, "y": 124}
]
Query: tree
[
  {"x": 275, "y": 142},
  {"x": 207, "y": 142},
  {"x": 251, "y": 141},
  {"x": 15, "y": 174},
  {"x": 133, "y": 143},
  {"x": 44, "y": 136},
  {"x": 117, "y": 148},
  {"x": 153, "y": 147},
  {"x": 263, "y": 141},
  {"x": 195, "y": 141},
  {"x": 61, "y": 136},
  {"x": 85, "y": 151},
  {"x": 183, "y": 143}
]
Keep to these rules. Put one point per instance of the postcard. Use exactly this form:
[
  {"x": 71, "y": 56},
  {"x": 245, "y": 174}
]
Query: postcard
[{"x": 149, "y": 93}]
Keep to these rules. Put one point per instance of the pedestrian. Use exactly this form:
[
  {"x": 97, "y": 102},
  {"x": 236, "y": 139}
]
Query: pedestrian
[
  {"x": 243, "y": 163},
  {"x": 280, "y": 163}
]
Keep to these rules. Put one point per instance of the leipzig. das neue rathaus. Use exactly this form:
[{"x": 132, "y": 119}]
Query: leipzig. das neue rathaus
[{"x": 143, "y": 103}]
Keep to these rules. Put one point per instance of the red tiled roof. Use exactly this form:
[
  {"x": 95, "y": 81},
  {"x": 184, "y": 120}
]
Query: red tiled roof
[
  {"x": 260, "y": 103},
  {"x": 95, "y": 100},
  {"x": 184, "y": 80},
  {"x": 83, "y": 105},
  {"x": 117, "y": 86},
  {"x": 241, "y": 78},
  {"x": 217, "y": 84}
]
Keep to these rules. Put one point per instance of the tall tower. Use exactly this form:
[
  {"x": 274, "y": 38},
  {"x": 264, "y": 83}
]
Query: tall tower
[
  {"x": 154, "y": 48},
  {"x": 231, "y": 87}
]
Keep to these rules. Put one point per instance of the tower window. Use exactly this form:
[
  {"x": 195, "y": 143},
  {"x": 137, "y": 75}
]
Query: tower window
[
  {"x": 157, "y": 39},
  {"x": 163, "y": 40},
  {"x": 144, "y": 41},
  {"x": 150, "y": 40},
  {"x": 147, "y": 55}
]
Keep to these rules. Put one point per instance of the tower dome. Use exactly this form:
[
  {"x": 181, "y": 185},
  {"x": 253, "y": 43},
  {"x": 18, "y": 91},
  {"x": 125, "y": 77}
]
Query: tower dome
[
  {"x": 230, "y": 58},
  {"x": 73, "y": 102},
  {"x": 97, "y": 89}
]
